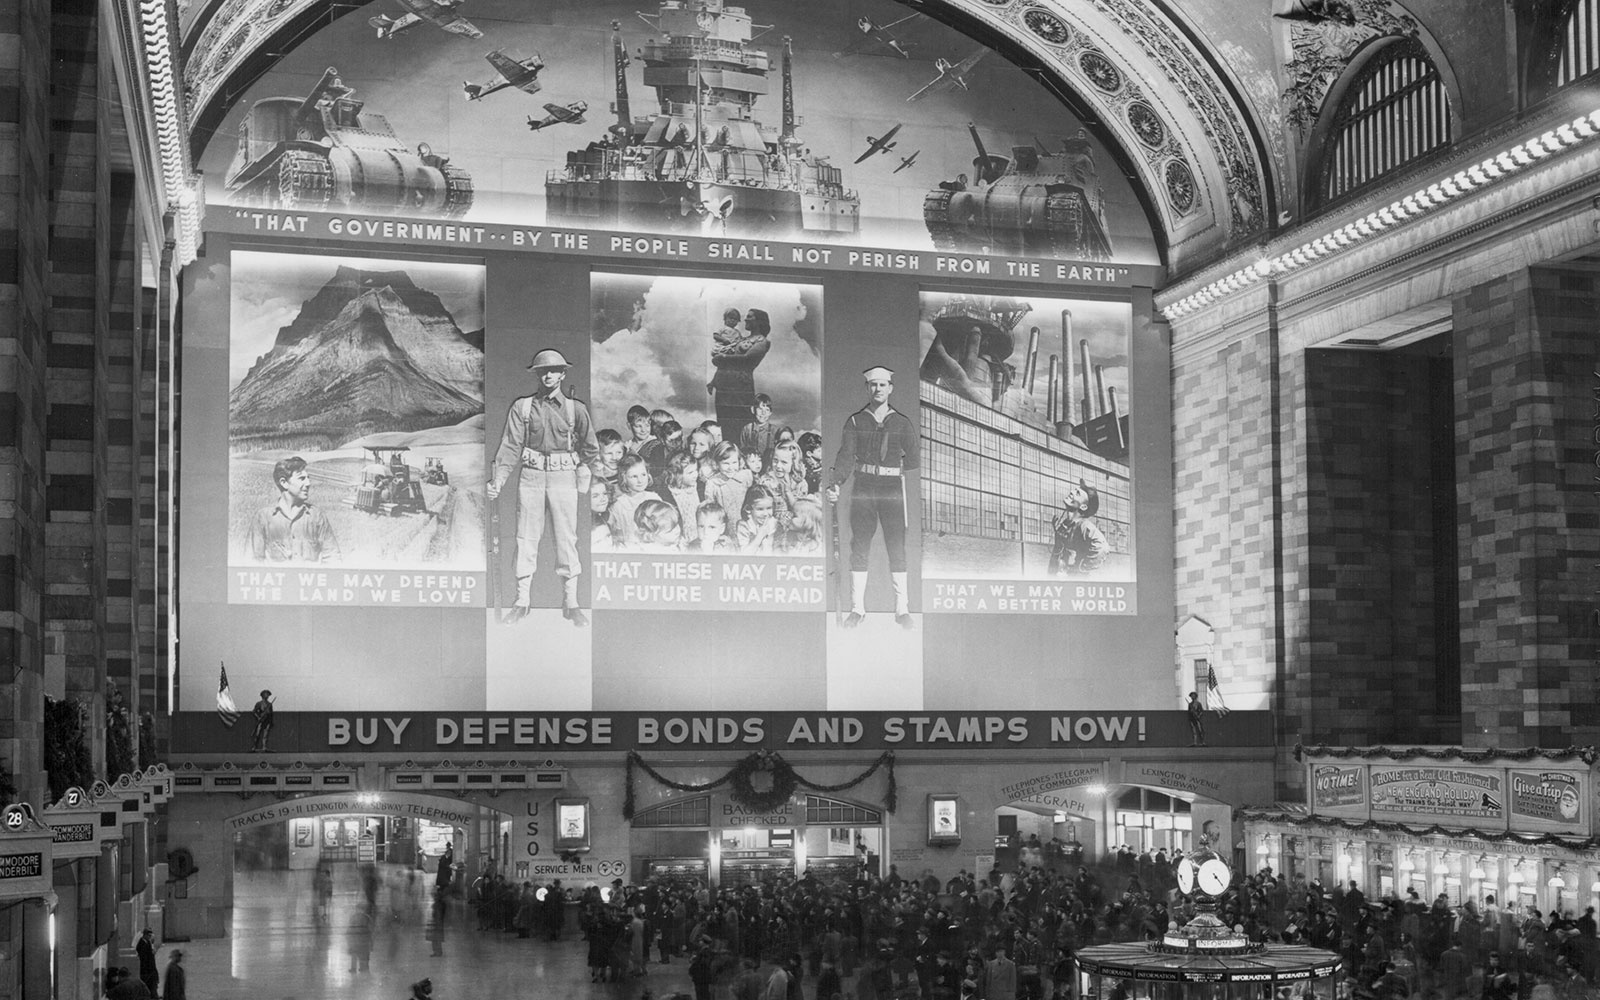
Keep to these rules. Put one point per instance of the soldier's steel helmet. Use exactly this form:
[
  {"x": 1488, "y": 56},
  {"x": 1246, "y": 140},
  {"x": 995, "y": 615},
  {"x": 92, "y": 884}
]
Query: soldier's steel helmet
[{"x": 548, "y": 358}]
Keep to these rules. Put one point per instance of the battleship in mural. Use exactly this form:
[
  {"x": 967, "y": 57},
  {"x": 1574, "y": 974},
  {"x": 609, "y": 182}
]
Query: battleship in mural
[
  {"x": 325, "y": 151},
  {"x": 702, "y": 162},
  {"x": 1034, "y": 202}
]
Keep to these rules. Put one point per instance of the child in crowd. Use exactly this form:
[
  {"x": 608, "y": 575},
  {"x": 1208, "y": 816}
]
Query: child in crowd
[
  {"x": 728, "y": 485},
  {"x": 600, "y": 496},
  {"x": 682, "y": 489},
  {"x": 633, "y": 489},
  {"x": 803, "y": 536},
  {"x": 659, "y": 526},
  {"x": 699, "y": 445},
  {"x": 754, "y": 462},
  {"x": 714, "y": 429},
  {"x": 711, "y": 529},
  {"x": 611, "y": 449},
  {"x": 639, "y": 428},
  {"x": 759, "y": 435},
  {"x": 757, "y": 529},
  {"x": 668, "y": 439},
  {"x": 811, "y": 459},
  {"x": 783, "y": 479}
]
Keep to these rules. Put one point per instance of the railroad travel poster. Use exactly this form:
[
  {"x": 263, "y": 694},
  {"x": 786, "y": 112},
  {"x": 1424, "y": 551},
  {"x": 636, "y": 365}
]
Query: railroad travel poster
[{"x": 355, "y": 432}]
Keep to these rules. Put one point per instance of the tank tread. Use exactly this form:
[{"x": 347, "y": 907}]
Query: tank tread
[
  {"x": 936, "y": 215},
  {"x": 457, "y": 192},
  {"x": 304, "y": 180}
]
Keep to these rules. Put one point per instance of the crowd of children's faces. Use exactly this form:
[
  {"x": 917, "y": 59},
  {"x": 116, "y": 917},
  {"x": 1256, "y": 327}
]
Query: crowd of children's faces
[{"x": 666, "y": 490}]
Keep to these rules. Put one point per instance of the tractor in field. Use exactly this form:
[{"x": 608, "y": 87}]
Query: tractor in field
[{"x": 388, "y": 485}]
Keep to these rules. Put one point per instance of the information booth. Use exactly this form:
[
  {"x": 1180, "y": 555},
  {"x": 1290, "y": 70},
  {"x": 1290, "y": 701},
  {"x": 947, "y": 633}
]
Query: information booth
[{"x": 1206, "y": 959}]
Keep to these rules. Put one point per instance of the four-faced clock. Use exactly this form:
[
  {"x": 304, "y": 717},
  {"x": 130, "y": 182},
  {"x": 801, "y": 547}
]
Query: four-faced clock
[{"x": 1214, "y": 876}]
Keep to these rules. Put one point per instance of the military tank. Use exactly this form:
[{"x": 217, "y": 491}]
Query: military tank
[
  {"x": 1033, "y": 202},
  {"x": 325, "y": 151}
]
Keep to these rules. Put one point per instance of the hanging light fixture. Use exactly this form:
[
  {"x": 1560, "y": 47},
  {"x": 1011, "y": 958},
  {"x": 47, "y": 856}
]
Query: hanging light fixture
[
  {"x": 1442, "y": 866},
  {"x": 1556, "y": 881},
  {"x": 1262, "y": 850},
  {"x": 1477, "y": 872},
  {"x": 1406, "y": 864},
  {"x": 1349, "y": 848},
  {"x": 1516, "y": 873}
]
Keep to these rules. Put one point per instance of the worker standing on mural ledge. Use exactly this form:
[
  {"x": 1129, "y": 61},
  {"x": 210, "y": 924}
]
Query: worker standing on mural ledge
[
  {"x": 878, "y": 446},
  {"x": 551, "y": 436}
]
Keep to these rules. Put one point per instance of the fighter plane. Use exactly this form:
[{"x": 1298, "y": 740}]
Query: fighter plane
[
  {"x": 880, "y": 33},
  {"x": 879, "y": 145},
  {"x": 950, "y": 76},
  {"x": 522, "y": 74},
  {"x": 906, "y": 161},
  {"x": 560, "y": 114},
  {"x": 435, "y": 12}
]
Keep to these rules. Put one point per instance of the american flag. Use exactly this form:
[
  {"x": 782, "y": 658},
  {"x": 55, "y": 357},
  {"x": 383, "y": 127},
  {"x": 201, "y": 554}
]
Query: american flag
[
  {"x": 1217, "y": 704},
  {"x": 226, "y": 710}
]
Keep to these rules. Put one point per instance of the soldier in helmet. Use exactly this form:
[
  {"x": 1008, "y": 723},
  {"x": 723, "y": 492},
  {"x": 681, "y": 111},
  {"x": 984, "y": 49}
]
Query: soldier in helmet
[{"x": 549, "y": 434}]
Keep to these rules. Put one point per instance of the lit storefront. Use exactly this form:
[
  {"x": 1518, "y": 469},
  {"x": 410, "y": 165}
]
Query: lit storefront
[{"x": 1514, "y": 826}]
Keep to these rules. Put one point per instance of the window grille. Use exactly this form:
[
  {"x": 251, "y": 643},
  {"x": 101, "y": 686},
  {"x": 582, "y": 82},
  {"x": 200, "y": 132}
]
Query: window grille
[
  {"x": 695, "y": 812},
  {"x": 1580, "y": 43},
  {"x": 1396, "y": 111}
]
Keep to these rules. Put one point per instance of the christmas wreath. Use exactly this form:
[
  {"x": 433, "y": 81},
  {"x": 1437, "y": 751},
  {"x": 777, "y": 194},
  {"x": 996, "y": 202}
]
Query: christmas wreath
[{"x": 761, "y": 781}]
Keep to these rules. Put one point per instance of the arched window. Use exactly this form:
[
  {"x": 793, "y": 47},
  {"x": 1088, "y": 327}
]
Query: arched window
[
  {"x": 1394, "y": 110},
  {"x": 1580, "y": 42}
]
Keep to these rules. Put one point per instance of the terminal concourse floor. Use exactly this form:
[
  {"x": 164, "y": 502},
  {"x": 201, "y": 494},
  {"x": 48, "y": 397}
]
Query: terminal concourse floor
[{"x": 279, "y": 950}]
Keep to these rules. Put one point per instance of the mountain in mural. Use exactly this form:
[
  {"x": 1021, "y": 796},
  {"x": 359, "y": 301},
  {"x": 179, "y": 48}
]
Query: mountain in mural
[{"x": 369, "y": 352}]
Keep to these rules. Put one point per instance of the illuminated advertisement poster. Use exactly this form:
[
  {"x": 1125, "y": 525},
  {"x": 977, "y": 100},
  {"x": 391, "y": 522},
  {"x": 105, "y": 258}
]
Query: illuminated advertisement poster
[
  {"x": 1027, "y": 491},
  {"x": 707, "y": 395},
  {"x": 1437, "y": 791},
  {"x": 355, "y": 432},
  {"x": 1548, "y": 797},
  {"x": 1333, "y": 786}
]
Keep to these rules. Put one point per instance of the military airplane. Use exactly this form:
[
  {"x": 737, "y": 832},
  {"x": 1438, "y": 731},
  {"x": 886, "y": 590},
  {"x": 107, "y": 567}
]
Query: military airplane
[
  {"x": 906, "y": 161},
  {"x": 950, "y": 76},
  {"x": 436, "y": 12},
  {"x": 880, "y": 33},
  {"x": 560, "y": 114},
  {"x": 879, "y": 145},
  {"x": 522, "y": 74}
]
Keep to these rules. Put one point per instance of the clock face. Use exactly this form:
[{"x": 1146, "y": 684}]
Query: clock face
[
  {"x": 1186, "y": 876},
  {"x": 1214, "y": 877}
]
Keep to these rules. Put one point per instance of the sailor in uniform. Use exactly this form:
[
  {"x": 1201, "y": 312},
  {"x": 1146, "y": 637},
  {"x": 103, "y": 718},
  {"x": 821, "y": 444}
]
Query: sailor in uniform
[{"x": 877, "y": 447}]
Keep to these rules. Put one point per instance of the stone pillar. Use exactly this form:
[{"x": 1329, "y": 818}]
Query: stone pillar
[{"x": 1527, "y": 350}]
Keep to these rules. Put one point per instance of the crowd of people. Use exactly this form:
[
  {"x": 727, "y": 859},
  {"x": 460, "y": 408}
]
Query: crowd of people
[
  {"x": 665, "y": 489},
  {"x": 1014, "y": 935}
]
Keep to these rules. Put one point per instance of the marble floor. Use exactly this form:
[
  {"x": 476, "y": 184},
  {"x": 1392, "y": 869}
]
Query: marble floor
[{"x": 280, "y": 950}]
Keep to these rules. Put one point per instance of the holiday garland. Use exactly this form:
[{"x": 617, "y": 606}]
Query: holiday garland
[
  {"x": 1435, "y": 830},
  {"x": 1585, "y": 754},
  {"x": 761, "y": 781}
]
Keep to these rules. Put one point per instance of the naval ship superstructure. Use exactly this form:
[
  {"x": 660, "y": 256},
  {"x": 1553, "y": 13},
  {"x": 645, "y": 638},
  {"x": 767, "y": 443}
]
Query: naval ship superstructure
[{"x": 702, "y": 163}]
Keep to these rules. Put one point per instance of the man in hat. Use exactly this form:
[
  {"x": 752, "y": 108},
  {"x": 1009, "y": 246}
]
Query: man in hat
[
  {"x": 552, "y": 437},
  {"x": 146, "y": 949},
  {"x": 877, "y": 447},
  {"x": 263, "y": 714},
  {"x": 177, "y": 979},
  {"x": 1080, "y": 547}
]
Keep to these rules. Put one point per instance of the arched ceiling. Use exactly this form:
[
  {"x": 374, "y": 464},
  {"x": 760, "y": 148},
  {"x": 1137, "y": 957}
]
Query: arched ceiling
[{"x": 1183, "y": 111}]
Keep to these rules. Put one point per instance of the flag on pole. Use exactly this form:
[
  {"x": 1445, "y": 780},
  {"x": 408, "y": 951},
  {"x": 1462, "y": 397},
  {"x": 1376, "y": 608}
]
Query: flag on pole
[
  {"x": 226, "y": 710},
  {"x": 1217, "y": 704}
]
